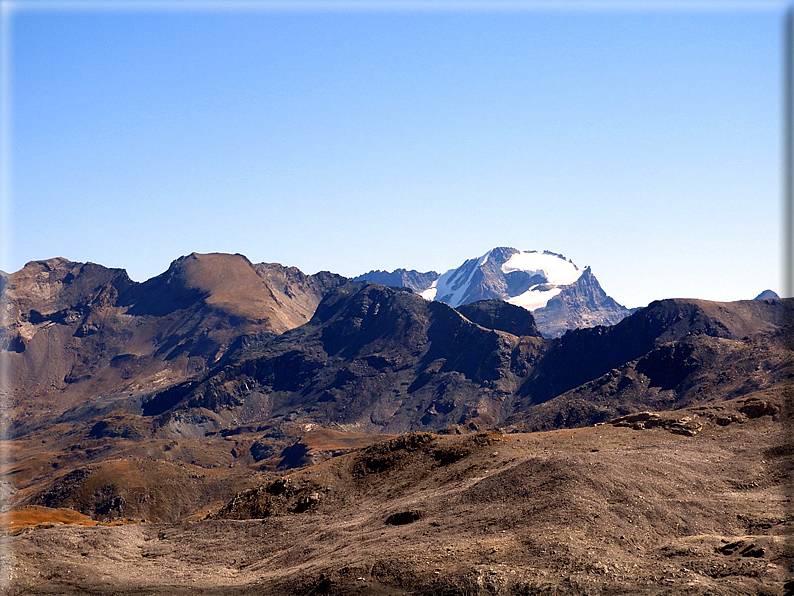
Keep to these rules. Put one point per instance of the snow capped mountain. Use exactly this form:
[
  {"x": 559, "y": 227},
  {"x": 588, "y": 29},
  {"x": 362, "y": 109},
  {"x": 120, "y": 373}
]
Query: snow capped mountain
[
  {"x": 454, "y": 286},
  {"x": 560, "y": 295},
  {"x": 530, "y": 278}
]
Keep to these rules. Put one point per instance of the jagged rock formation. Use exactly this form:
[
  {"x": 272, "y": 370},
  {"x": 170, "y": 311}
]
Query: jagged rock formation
[{"x": 581, "y": 304}]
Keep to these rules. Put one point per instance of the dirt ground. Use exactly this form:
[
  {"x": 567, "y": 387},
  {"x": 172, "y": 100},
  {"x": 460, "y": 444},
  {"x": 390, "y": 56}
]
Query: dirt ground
[{"x": 692, "y": 502}]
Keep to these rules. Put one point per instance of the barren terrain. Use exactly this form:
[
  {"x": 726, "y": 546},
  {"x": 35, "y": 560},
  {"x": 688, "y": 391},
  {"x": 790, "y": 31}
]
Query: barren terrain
[{"x": 694, "y": 501}]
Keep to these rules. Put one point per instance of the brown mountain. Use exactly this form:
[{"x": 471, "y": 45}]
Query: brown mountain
[{"x": 79, "y": 330}]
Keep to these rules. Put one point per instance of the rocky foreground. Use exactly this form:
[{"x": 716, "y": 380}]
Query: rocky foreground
[{"x": 695, "y": 501}]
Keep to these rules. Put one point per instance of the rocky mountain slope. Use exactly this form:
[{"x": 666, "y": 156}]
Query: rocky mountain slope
[
  {"x": 671, "y": 354},
  {"x": 372, "y": 358},
  {"x": 502, "y": 316},
  {"x": 379, "y": 359},
  {"x": 581, "y": 304},
  {"x": 560, "y": 295},
  {"x": 77, "y": 330}
]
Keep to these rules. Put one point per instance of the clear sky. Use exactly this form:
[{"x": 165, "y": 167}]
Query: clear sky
[{"x": 645, "y": 143}]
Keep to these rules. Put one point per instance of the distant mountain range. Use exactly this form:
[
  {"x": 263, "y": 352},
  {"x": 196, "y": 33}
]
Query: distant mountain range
[
  {"x": 400, "y": 278},
  {"x": 191, "y": 396},
  {"x": 559, "y": 294},
  {"x": 225, "y": 364}
]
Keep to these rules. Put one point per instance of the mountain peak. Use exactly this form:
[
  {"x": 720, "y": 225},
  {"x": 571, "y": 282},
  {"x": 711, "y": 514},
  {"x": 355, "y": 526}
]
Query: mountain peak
[
  {"x": 766, "y": 294},
  {"x": 48, "y": 264},
  {"x": 524, "y": 278},
  {"x": 535, "y": 280}
]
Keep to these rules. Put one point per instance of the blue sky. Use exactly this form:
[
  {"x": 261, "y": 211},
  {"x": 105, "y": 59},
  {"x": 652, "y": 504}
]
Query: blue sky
[{"x": 643, "y": 143}]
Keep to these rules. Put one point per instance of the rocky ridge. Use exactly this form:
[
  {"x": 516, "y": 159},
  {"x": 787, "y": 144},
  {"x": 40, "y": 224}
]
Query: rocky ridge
[{"x": 378, "y": 359}]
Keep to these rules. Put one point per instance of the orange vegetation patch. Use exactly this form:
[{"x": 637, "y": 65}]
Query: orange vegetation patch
[{"x": 31, "y": 517}]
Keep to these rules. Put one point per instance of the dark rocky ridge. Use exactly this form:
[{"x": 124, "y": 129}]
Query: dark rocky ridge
[
  {"x": 501, "y": 315},
  {"x": 671, "y": 354},
  {"x": 385, "y": 360},
  {"x": 374, "y": 356}
]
